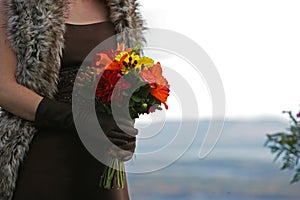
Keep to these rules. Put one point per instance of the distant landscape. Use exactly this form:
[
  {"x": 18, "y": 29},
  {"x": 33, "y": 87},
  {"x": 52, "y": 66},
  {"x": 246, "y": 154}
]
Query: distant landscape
[{"x": 238, "y": 168}]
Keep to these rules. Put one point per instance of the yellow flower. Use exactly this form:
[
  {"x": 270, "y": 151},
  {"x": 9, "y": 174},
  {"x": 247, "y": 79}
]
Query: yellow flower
[
  {"x": 124, "y": 70},
  {"x": 146, "y": 62},
  {"x": 132, "y": 57},
  {"x": 118, "y": 57},
  {"x": 128, "y": 61}
]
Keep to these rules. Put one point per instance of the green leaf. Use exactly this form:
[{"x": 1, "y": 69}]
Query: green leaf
[
  {"x": 144, "y": 91},
  {"x": 137, "y": 48},
  {"x": 136, "y": 98},
  {"x": 296, "y": 176},
  {"x": 159, "y": 108},
  {"x": 125, "y": 93},
  {"x": 131, "y": 103}
]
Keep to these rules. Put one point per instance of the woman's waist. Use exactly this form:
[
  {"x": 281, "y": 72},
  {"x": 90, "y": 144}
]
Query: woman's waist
[{"x": 67, "y": 77}]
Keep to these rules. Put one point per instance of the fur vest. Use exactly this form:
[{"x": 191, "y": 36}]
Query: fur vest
[{"x": 36, "y": 31}]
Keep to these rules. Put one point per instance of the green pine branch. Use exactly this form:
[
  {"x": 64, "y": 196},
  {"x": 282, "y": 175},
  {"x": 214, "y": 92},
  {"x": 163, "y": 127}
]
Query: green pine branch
[{"x": 286, "y": 145}]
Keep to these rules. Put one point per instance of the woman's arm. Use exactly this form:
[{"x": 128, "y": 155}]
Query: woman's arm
[{"x": 14, "y": 97}]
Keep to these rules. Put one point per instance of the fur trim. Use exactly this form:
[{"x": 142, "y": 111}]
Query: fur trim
[
  {"x": 37, "y": 39},
  {"x": 14, "y": 144},
  {"x": 36, "y": 30},
  {"x": 128, "y": 21}
]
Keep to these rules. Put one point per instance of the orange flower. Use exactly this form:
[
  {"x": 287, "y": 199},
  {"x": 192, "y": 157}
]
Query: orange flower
[
  {"x": 107, "y": 59},
  {"x": 121, "y": 47},
  {"x": 102, "y": 59},
  {"x": 159, "y": 85}
]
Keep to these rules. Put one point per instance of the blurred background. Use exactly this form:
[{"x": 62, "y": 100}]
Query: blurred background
[{"x": 255, "y": 46}]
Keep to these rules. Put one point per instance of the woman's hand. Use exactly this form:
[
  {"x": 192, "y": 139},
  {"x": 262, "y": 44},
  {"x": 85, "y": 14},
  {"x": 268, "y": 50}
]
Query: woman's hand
[
  {"x": 123, "y": 135},
  {"x": 56, "y": 115}
]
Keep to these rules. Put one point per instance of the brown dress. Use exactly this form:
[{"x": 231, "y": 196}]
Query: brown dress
[{"x": 57, "y": 166}]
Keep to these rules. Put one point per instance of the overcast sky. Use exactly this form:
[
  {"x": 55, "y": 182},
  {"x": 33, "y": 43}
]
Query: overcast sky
[{"x": 255, "y": 45}]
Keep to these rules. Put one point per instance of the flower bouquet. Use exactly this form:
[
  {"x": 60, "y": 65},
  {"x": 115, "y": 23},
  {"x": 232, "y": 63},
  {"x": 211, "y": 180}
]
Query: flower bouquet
[{"x": 131, "y": 83}]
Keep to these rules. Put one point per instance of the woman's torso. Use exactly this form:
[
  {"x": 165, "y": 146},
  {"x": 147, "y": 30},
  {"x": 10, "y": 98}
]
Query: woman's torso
[{"x": 58, "y": 166}]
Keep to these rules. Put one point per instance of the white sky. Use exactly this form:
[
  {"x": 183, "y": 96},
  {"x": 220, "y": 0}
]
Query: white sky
[{"x": 255, "y": 45}]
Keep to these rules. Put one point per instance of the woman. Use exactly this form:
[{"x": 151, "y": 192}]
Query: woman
[{"x": 42, "y": 43}]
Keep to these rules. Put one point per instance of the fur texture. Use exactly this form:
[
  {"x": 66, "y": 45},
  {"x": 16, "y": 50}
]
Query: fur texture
[{"x": 36, "y": 30}]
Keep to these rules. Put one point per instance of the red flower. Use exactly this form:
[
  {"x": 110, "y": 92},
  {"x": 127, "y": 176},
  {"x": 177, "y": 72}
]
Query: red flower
[
  {"x": 106, "y": 86},
  {"x": 159, "y": 85}
]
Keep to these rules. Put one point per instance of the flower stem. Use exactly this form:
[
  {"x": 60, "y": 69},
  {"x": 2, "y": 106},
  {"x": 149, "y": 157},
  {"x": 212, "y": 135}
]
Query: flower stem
[{"x": 113, "y": 175}]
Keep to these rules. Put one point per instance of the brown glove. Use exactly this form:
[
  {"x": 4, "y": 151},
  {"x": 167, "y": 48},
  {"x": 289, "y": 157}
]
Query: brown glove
[
  {"x": 123, "y": 135},
  {"x": 52, "y": 114}
]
